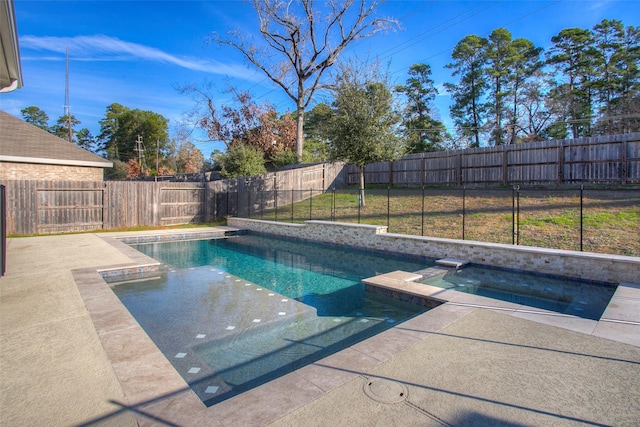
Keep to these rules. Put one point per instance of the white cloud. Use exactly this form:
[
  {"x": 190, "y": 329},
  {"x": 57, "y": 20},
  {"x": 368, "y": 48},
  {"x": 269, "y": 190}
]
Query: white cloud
[{"x": 105, "y": 48}]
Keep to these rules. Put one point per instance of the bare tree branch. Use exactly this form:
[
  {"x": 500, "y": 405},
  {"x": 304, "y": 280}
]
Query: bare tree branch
[{"x": 309, "y": 38}]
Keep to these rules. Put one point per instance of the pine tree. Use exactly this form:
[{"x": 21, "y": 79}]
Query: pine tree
[
  {"x": 422, "y": 131},
  {"x": 573, "y": 56},
  {"x": 468, "y": 111}
]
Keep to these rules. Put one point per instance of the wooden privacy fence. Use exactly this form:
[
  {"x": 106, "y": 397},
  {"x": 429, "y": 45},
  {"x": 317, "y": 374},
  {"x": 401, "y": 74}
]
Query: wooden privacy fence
[
  {"x": 241, "y": 196},
  {"x": 608, "y": 159},
  {"x": 43, "y": 207}
]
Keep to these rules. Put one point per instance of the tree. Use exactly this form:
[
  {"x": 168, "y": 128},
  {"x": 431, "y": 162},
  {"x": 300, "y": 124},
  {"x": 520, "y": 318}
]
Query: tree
[
  {"x": 35, "y": 116},
  {"x": 308, "y": 39},
  {"x": 422, "y": 132},
  {"x": 607, "y": 41},
  {"x": 241, "y": 160},
  {"x": 274, "y": 135},
  {"x": 525, "y": 66},
  {"x": 189, "y": 158},
  {"x": 134, "y": 134},
  {"x": 85, "y": 139},
  {"x": 134, "y": 169},
  {"x": 628, "y": 64},
  {"x": 316, "y": 126},
  {"x": 61, "y": 128},
  {"x": 363, "y": 124},
  {"x": 617, "y": 76},
  {"x": 573, "y": 55},
  {"x": 117, "y": 172},
  {"x": 468, "y": 111},
  {"x": 242, "y": 121},
  {"x": 108, "y": 128},
  {"x": 536, "y": 120},
  {"x": 500, "y": 56}
]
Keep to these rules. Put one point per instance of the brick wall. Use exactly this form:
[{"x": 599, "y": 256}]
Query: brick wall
[
  {"x": 19, "y": 171},
  {"x": 583, "y": 265}
]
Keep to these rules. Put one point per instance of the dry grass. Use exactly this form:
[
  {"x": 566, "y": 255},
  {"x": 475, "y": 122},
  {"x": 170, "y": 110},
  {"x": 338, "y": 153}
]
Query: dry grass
[{"x": 547, "y": 217}]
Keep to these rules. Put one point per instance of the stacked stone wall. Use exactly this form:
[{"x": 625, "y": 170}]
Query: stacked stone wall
[{"x": 583, "y": 265}]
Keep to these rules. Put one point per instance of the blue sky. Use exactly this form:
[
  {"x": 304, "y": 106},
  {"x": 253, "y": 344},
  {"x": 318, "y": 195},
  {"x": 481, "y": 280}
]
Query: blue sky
[{"x": 135, "y": 53}]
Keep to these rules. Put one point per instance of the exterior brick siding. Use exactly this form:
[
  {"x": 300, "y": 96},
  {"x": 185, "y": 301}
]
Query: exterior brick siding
[{"x": 30, "y": 171}]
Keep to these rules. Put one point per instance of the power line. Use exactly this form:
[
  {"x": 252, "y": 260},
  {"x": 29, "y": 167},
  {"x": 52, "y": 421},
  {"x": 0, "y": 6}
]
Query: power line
[{"x": 392, "y": 52}]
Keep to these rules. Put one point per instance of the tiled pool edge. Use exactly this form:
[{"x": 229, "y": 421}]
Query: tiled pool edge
[{"x": 155, "y": 390}]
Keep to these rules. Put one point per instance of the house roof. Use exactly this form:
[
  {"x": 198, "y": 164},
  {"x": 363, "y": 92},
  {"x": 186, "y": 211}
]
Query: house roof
[{"x": 21, "y": 142}]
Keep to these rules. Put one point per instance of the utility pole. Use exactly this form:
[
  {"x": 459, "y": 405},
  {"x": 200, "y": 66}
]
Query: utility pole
[
  {"x": 140, "y": 149},
  {"x": 157, "y": 153}
]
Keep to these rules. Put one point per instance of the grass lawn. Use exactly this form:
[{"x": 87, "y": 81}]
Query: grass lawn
[{"x": 546, "y": 217}]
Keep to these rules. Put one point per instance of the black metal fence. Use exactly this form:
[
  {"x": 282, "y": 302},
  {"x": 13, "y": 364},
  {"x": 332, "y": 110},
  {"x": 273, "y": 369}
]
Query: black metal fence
[
  {"x": 3, "y": 230},
  {"x": 593, "y": 219}
]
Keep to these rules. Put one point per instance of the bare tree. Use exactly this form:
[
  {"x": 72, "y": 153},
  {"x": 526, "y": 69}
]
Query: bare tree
[{"x": 308, "y": 39}]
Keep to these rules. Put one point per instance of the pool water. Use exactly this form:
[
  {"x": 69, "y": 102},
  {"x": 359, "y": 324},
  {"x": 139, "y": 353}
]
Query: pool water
[
  {"x": 562, "y": 295},
  {"x": 231, "y": 314}
]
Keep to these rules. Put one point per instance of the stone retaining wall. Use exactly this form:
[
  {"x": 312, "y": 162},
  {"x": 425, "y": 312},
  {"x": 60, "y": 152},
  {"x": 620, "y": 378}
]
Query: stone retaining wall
[{"x": 583, "y": 265}]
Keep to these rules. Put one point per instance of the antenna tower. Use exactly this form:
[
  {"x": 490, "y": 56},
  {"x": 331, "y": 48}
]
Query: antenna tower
[{"x": 67, "y": 108}]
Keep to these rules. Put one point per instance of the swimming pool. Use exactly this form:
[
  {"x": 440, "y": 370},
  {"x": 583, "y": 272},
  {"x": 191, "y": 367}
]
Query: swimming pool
[
  {"x": 562, "y": 295},
  {"x": 231, "y": 314}
]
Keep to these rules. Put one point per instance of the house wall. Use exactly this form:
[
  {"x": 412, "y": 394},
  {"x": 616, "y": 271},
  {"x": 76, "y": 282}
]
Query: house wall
[
  {"x": 583, "y": 265},
  {"x": 30, "y": 171}
]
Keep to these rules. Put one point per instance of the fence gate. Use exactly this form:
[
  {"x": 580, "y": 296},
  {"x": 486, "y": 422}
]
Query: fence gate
[
  {"x": 182, "y": 204},
  {"x": 60, "y": 210}
]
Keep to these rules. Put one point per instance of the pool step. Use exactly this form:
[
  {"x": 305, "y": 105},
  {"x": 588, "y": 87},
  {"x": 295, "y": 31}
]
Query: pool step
[{"x": 452, "y": 262}]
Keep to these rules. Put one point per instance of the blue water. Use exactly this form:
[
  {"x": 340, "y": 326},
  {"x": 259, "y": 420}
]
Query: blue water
[
  {"x": 325, "y": 277},
  {"x": 231, "y": 314},
  {"x": 562, "y": 295}
]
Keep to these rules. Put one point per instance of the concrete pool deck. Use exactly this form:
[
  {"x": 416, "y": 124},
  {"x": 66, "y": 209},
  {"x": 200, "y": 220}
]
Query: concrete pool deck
[{"x": 70, "y": 354}]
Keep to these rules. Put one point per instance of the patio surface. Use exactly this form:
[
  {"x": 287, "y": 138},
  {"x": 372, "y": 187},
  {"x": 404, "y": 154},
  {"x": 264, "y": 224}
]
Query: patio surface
[{"x": 70, "y": 354}]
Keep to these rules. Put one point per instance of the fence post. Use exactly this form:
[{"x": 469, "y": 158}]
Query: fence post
[
  {"x": 422, "y": 222},
  {"x": 292, "y": 203},
  {"x": 581, "y": 215},
  {"x": 463, "y": 210},
  {"x": 276, "y": 202},
  {"x": 311, "y": 203},
  {"x": 513, "y": 215},
  {"x": 104, "y": 205},
  {"x": 624, "y": 171},
  {"x": 248, "y": 202},
  {"x": 216, "y": 204},
  {"x": 261, "y": 203},
  {"x": 388, "y": 205},
  {"x": 333, "y": 204},
  {"x": 518, "y": 213},
  {"x": 359, "y": 203},
  {"x": 505, "y": 164}
]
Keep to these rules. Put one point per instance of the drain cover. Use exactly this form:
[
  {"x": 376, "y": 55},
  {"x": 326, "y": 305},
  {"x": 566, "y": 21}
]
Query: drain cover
[{"x": 385, "y": 391}]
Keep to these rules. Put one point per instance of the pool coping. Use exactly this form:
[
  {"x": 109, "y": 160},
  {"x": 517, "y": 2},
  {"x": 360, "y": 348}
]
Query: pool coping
[
  {"x": 156, "y": 391},
  {"x": 621, "y": 310}
]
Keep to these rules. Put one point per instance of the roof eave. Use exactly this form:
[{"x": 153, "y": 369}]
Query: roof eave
[
  {"x": 9, "y": 48},
  {"x": 59, "y": 162}
]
